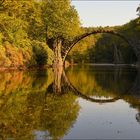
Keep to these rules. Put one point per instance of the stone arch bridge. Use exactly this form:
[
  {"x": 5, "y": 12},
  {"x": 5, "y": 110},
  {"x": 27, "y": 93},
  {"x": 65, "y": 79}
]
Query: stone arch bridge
[{"x": 67, "y": 46}]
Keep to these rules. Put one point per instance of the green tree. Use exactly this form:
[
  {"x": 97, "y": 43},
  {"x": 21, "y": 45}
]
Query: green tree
[
  {"x": 62, "y": 23},
  {"x": 138, "y": 10},
  {"x": 22, "y": 26}
]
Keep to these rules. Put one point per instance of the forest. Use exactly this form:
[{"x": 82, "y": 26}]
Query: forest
[
  {"x": 29, "y": 31},
  {"x": 83, "y": 101}
]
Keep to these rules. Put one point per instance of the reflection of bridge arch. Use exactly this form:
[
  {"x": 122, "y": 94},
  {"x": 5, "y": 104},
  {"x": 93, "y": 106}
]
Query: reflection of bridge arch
[
  {"x": 132, "y": 90},
  {"x": 71, "y": 44},
  {"x": 71, "y": 88}
]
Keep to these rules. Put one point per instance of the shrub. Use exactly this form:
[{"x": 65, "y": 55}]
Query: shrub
[{"x": 40, "y": 53}]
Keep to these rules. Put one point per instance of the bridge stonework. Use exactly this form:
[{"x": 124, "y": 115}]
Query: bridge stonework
[{"x": 70, "y": 44}]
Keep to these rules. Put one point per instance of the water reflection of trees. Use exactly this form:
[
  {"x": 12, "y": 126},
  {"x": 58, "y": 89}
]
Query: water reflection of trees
[
  {"x": 28, "y": 105},
  {"x": 26, "y": 108},
  {"x": 106, "y": 82},
  {"x": 102, "y": 80}
]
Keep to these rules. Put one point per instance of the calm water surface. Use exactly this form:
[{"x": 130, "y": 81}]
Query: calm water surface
[{"x": 100, "y": 102}]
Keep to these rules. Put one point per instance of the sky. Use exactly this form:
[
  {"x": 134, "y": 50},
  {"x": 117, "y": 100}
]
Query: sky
[{"x": 105, "y": 13}]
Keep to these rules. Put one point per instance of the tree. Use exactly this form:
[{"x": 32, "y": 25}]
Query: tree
[
  {"x": 138, "y": 10},
  {"x": 62, "y": 23},
  {"x": 22, "y": 27}
]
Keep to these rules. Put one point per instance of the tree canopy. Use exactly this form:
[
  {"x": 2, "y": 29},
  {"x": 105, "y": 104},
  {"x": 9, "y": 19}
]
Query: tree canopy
[
  {"x": 26, "y": 26},
  {"x": 61, "y": 19}
]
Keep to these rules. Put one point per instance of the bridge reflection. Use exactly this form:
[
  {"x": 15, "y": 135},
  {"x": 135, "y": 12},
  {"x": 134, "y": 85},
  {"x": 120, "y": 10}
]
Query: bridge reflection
[
  {"x": 28, "y": 104},
  {"x": 102, "y": 87},
  {"x": 114, "y": 83}
]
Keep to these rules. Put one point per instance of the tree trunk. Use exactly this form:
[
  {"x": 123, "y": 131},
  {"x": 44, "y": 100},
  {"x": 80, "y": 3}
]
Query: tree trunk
[
  {"x": 57, "y": 45},
  {"x": 57, "y": 66},
  {"x": 57, "y": 85},
  {"x": 116, "y": 56}
]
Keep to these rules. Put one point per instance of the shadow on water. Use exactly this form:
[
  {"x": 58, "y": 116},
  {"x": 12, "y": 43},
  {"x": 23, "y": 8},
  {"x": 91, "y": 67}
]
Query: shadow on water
[{"x": 31, "y": 107}]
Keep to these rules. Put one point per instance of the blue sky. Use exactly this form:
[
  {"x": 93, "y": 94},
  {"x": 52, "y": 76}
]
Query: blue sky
[{"x": 105, "y": 13}]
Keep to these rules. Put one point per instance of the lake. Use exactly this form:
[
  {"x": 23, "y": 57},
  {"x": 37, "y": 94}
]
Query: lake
[{"x": 96, "y": 102}]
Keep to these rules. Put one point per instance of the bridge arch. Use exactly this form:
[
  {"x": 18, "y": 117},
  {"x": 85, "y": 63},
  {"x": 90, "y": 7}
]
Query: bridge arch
[
  {"x": 79, "y": 38},
  {"x": 76, "y": 92}
]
